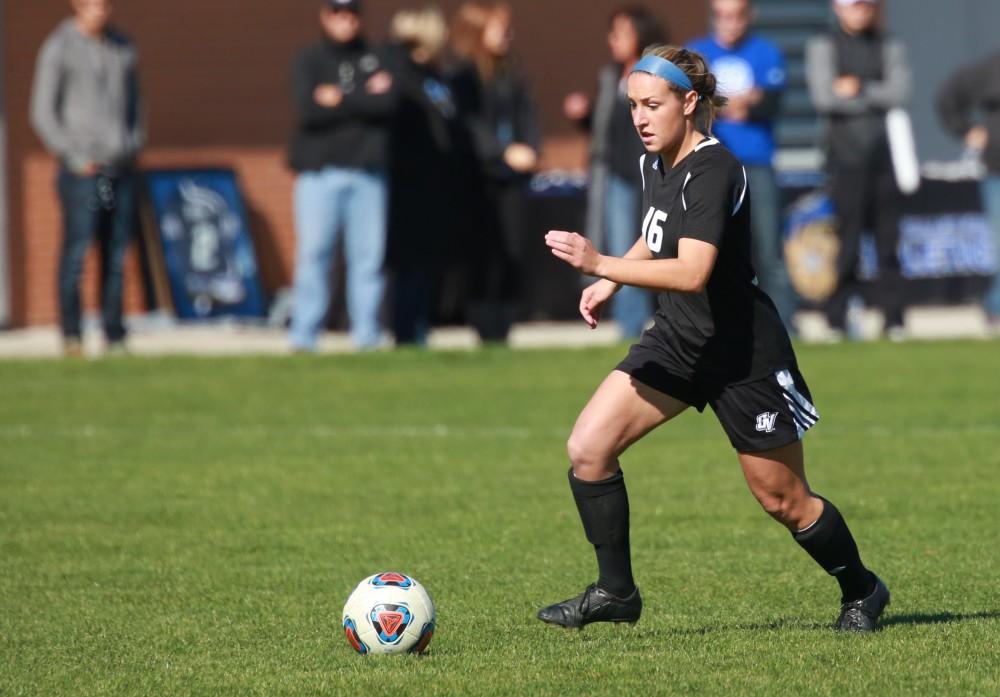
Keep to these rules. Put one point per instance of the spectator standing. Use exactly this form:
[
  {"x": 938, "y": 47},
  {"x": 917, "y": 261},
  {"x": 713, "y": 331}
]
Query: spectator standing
[
  {"x": 430, "y": 162},
  {"x": 975, "y": 89},
  {"x": 856, "y": 74},
  {"x": 751, "y": 74},
  {"x": 86, "y": 108},
  {"x": 615, "y": 183},
  {"x": 502, "y": 118},
  {"x": 344, "y": 101}
]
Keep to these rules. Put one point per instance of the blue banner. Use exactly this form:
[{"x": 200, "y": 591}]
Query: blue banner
[
  {"x": 206, "y": 244},
  {"x": 932, "y": 244},
  {"x": 949, "y": 244}
]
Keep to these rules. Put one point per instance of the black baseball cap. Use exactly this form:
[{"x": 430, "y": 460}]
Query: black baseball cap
[{"x": 345, "y": 5}]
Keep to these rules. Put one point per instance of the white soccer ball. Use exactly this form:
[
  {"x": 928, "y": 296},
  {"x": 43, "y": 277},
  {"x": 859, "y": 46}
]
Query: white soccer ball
[{"x": 389, "y": 613}]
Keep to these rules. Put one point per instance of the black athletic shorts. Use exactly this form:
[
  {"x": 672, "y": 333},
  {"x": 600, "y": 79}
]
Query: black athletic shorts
[{"x": 763, "y": 414}]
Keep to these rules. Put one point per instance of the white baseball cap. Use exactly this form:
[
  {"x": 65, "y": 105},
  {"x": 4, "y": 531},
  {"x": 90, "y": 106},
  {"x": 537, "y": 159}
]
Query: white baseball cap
[{"x": 844, "y": 3}]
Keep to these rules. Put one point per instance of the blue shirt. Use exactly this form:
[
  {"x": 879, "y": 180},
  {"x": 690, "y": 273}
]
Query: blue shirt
[{"x": 754, "y": 62}]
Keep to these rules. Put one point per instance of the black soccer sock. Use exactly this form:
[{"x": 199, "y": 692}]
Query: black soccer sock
[
  {"x": 603, "y": 508},
  {"x": 830, "y": 543}
]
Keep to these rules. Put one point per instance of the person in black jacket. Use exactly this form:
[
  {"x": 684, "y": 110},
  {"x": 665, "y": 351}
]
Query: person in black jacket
[
  {"x": 976, "y": 88},
  {"x": 431, "y": 173},
  {"x": 502, "y": 118},
  {"x": 344, "y": 99},
  {"x": 856, "y": 74}
]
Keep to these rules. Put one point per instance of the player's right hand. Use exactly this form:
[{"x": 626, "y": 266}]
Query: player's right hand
[{"x": 593, "y": 298}]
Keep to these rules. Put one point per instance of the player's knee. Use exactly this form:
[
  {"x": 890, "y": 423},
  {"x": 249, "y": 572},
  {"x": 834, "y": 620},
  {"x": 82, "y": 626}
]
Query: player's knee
[
  {"x": 789, "y": 510},
  {"x": 584, "y": 452},
  {"x": 777, "y": 506},
  {"x": 577, "y": 450}
]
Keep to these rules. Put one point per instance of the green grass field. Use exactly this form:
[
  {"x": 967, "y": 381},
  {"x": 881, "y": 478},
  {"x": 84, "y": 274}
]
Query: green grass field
[{"x": 186, "y": 526}]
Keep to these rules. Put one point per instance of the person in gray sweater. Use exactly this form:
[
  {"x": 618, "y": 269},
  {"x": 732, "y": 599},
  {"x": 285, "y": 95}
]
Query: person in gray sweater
[
  {"x": 969, "y": 106},
  {"x": 856, "y": 74},
  {"x": 85, "y": 107}
]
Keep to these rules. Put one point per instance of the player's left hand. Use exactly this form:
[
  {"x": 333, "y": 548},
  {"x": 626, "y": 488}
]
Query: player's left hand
[{"x": 576, "y": 250}]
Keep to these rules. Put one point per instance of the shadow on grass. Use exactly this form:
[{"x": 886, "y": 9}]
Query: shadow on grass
[
  {"x": 776, "y": 625},
  {"x": 805, "y": 625},
  {"x": 940, "y": 617}
]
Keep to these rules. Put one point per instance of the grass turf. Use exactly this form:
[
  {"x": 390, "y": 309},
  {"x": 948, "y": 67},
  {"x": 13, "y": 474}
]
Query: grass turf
[{"x": 185, "y": 526}]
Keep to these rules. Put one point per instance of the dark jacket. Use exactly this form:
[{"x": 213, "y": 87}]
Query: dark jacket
[
  {"x": 973, "y": 88},
  {"x": 432, "y": 169},
  {"x": 353, "y": 134},
  {"x": 499, "y": 112},
  {"x": 856, "y": 134},
  {"x": 603, "y": 139}
]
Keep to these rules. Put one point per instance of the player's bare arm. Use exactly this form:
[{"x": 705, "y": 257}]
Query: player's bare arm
[
  {"x": 688, "y": 273},
  {"x": 594, "y": 296}
]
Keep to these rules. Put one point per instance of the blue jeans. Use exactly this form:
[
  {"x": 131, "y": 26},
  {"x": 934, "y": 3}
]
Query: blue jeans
[
  {"x": 328, "y": 202},
  {"x": 990, "y": 189},
  {"x": 765, "y": 228},
  {"x": 103, "y": 207},
  {"x": 631, "y": 307}
]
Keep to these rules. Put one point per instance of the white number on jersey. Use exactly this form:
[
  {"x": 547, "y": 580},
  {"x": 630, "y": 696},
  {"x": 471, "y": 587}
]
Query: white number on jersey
[{"x": 651, "y": 230}]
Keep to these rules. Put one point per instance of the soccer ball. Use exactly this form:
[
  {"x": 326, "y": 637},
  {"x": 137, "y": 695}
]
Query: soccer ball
[{"x": 389, "y": 613}]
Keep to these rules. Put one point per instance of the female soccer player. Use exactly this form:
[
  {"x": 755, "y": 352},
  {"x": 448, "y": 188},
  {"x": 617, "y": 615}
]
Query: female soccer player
[{"x": 717, "y": 340}]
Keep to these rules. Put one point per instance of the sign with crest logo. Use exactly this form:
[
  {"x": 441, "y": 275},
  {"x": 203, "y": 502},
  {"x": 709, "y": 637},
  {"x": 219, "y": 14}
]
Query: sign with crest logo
[{"x": 199, "y": 244}]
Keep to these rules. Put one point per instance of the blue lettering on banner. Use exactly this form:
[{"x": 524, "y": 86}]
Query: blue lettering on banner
[
  {"x": 959, "y": 244},
  {"x": 930, "y": 246}
]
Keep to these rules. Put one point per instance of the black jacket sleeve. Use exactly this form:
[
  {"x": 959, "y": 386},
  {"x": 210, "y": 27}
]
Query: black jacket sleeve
[
  {"x": 957, "y": 99},
  {"x": 527, "y": 128}
]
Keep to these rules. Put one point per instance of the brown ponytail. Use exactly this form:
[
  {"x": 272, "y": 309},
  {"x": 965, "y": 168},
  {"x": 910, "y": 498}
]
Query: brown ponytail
[{"x": 702, "y": 81}]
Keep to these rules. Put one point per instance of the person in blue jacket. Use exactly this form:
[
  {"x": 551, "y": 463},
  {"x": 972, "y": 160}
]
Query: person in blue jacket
[{"x": 751, "y": 74}]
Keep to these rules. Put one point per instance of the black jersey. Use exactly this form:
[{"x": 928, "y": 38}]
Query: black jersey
[{"x": 730, "y": 332}]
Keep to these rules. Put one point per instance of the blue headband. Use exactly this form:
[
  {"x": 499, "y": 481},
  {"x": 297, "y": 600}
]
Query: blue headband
[{"x": 664, "y": 69}]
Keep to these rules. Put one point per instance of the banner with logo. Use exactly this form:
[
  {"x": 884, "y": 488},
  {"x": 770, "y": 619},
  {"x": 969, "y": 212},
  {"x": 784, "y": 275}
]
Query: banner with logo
[
  {"x": 943, "y": 235},
  {"x": 201, "y": 244}
]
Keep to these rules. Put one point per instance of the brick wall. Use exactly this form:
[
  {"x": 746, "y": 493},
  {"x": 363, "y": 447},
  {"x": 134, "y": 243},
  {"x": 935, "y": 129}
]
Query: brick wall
[{"x": 215, "y": 77}]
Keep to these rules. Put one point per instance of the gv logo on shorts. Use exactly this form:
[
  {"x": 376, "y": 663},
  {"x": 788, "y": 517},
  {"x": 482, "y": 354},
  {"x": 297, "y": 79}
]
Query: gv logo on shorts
[{"x": 765, "y": 421}]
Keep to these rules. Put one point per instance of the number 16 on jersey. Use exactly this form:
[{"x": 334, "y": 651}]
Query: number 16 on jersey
[{"x": 652, "y": 231}]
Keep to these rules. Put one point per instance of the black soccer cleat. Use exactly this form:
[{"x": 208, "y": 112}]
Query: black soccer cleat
[
  {"x": 593, "y": 605},
  {"x": 861, "y": 616}
]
